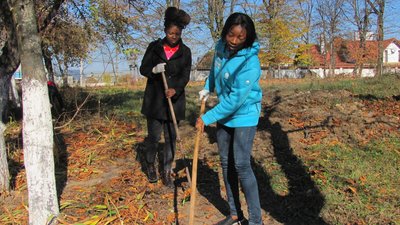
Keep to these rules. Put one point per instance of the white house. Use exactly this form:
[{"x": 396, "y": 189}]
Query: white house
[{"x": 392, "y": 53}]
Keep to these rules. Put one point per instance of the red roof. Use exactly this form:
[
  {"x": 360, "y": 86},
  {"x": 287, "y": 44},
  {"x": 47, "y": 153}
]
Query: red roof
[{"x": 348, "y": 52}]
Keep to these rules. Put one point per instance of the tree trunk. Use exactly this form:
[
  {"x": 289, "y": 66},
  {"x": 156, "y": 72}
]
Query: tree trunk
[
  {"x": 9, "y": 62},
  {"x": 65, "y": 75},
  {"x": 380, "y": 43},
  {"x": 48, "y": 63},
  {"x": 378, "y": 7},
  {"x": 332, "y": 59},
  {"x": 14, "y": 93},
  {"x": 37, "y": 124},
  {"x": 4, "y": 172}
]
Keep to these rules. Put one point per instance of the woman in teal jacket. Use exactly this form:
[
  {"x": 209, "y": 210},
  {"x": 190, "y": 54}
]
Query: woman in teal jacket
[{"x": 234, "y": 77}]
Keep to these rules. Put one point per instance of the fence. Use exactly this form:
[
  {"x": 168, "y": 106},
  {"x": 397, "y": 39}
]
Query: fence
[{"x": 108, "y": 79}]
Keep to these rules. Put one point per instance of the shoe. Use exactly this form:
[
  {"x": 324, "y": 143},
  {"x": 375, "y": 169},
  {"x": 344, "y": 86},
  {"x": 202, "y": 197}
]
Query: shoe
[
  {"x": 151, "y": 173},
  {"x": 230, "y": 221},
  {"x": 167, "y": 179}
]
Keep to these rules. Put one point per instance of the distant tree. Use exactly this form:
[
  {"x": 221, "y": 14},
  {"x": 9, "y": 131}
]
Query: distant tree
[
  {"x": 305, "y": 12},
  {"x": 378, "y": 7},
  {"x": 280, "y": 30},
  {"x": 212, "y": 14},
  {"x": 37, "y": 124},
  {"x": 330, "y": 13},
  {"x": 360, "y": 12}
]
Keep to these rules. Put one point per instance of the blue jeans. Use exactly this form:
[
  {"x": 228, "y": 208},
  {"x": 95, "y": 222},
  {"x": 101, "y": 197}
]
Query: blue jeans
[
  {"x": 235, "y": 146},
  {"x": 154, "y": 129}
]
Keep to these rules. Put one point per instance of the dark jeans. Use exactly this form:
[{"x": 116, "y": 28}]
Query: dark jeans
[
  {"x": 154, "y": 129},
  {"x": 235, "y": 146}
]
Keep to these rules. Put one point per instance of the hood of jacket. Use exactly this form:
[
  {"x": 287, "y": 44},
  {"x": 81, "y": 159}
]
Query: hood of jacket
[{"x": 222, "y": 50}]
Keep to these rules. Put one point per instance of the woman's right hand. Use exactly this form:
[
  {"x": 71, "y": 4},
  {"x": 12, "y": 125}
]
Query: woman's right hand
[{"x": 159, "y": 68}]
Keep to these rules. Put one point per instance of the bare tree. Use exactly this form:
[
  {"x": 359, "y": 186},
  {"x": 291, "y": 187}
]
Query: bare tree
[
  {"x": 360, "y": 14},
  {"x": 330, "y": 12},
  {"x": 378, "y": 7},
  {"x": 306, "y": 8},
  {"x": 37, "y": 123},
  {"x": 215, "y": 13},
  {"x": 212, "y": 14}
]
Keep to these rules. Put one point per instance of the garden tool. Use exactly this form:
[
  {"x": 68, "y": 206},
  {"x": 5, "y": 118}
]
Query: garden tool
[
  {"x": 194, "y": 168},
  {"x": 171, "y": 108}
]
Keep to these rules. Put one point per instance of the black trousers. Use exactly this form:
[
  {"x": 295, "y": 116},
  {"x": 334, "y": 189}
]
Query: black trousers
[{"x": 154, "y": 130}]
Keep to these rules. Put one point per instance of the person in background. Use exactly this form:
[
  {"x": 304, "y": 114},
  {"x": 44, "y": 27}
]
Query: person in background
[
  {"x": 234, "y": 76},
  {"x": 172, "y": 57}
]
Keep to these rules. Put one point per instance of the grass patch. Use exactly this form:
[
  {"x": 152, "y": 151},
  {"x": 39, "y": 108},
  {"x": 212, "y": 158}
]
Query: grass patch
[{"x": 361, "y": 183}]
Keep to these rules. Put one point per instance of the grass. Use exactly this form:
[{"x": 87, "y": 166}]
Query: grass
[{"x": 360, "y": 183}]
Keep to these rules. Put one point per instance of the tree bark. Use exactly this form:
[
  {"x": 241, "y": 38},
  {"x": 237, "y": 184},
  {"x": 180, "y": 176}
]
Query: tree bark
[
  {"x": 37, "y": 124},
  {"x": 4, "y": 172},
  {"x": 380, "y": 38}
]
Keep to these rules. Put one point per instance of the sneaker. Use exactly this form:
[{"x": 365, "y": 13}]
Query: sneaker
[
  {"x": 151, "y": 173},
  {"x": 230, "y": 221}
]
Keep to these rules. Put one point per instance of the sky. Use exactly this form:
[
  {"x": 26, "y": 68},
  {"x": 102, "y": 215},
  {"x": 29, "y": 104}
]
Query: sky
[{"x": 100, "y": 62}]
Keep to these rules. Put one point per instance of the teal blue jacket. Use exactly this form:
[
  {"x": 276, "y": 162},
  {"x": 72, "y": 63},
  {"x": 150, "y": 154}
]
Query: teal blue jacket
[{"x": 235, "y": 80}]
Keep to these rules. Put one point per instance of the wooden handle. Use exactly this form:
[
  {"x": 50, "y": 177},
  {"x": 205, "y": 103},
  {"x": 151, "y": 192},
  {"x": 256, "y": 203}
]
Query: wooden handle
[
  {"x": 171, "y": 108},
  {"x": 194, "y": 168}
]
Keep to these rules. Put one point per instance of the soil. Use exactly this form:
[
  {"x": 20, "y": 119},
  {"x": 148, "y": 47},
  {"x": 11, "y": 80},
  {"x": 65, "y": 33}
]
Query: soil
[{"x": 100, "y": 173}]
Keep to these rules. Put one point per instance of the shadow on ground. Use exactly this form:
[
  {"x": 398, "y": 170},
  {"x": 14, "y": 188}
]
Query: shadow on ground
[
  {"x": 61, "y": 163},
  {"x": 303, "y": 202}
]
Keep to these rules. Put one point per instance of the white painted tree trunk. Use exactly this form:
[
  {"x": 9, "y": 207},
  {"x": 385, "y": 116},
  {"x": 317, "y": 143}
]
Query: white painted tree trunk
[
  {"x": 4, "y": 172},
  {"x": 38, "y": 152},
  {"x": 37, "y": 128}
]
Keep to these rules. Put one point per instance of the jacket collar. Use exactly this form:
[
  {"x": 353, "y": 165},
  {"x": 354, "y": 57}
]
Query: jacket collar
[{"x": 160, "y": 50}]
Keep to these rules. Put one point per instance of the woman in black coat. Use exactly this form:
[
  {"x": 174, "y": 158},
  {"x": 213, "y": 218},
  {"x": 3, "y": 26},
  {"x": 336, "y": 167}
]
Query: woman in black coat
[{"x": 171, "y": 56}]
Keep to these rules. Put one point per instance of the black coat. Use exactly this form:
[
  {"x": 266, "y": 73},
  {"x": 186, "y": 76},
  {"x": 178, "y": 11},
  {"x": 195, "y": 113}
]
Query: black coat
[{"x": 177, "y": 72}]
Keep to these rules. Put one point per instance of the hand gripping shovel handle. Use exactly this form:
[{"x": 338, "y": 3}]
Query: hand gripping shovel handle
[
  {"x": 171, "y": 108},
  {"x": 194, "y": 168}
]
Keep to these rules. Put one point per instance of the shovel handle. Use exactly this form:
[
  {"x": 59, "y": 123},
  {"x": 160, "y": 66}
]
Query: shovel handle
[
  {"x": 194, "y": 168},
  {"x": 171, "y": 108}
]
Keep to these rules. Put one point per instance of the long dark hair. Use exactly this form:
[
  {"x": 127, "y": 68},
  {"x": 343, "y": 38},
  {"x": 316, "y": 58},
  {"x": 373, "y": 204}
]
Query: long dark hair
[
  {"x": 246, "y": 22},
  {"x": 177, "y": 17}
]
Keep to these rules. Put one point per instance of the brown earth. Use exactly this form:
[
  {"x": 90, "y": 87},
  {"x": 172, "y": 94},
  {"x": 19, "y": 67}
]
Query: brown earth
[{"x": 99, "y": 170}]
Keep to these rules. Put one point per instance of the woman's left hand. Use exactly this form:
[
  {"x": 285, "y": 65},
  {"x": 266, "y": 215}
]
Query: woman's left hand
[
  {"x": 200, "y": 124},
  {"x": 170, "y": 92}
]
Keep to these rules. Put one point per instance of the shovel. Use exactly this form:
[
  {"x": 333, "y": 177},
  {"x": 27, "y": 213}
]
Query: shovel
[
  {"x": 194, "y": 168},
  {"x": 171, "y": 108}
]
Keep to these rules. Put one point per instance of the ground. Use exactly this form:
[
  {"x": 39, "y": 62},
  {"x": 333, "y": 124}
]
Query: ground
[{"x": 100, "y": 171}]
